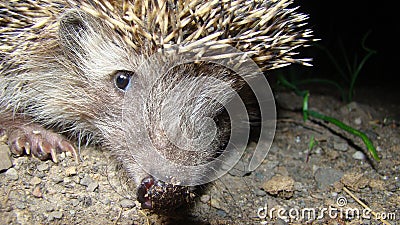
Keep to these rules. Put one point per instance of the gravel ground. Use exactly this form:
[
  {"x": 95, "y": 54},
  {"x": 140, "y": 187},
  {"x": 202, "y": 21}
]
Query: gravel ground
[{"x": 294, "y": 185}]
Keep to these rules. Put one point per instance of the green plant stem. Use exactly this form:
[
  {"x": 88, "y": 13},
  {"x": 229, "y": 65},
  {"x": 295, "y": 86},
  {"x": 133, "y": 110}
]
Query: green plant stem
[
  {"x": 341, "y": 125},
  {"x": 352, "y": 69},
  {"x": 349, "y": 129}
]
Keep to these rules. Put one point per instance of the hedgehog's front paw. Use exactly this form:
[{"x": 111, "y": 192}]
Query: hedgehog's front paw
[{"x": 34, "y": 139}]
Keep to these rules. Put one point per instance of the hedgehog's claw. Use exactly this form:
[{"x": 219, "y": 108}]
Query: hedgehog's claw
[
  {"x": 43, "y": 144},
  {"x": 19, "y": 146},
  {"x": 68, "y": 147}
]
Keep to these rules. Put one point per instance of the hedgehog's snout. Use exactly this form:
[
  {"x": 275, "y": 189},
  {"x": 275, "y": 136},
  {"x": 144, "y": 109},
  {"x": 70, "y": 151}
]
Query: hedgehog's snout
[
  {"x": 162, "y": 197},
  {"x": 142, "y": 192}
]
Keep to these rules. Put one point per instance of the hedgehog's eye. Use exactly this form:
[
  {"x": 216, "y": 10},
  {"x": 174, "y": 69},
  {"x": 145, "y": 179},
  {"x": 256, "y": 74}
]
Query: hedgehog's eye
[{"x": 122, "y": 79}]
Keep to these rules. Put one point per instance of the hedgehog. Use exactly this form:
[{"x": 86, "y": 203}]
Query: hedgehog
[{"x": 79, "y": 70}]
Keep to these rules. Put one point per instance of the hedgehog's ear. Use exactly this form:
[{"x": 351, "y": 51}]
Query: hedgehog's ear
[{"x": 75, "y": 27}]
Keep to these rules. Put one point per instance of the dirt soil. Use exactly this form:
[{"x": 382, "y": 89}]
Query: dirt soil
[{"x": 294, "y": 184}]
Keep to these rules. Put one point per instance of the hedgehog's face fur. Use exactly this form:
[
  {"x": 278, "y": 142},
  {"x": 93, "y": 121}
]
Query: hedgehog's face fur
[
  {"x": 94, "y": 75},
  {"x": 96, "y": 84}
]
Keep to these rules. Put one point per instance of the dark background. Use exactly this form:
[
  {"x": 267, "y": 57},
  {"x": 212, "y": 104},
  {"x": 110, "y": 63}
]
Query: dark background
[{"x": 347, "y": 22}]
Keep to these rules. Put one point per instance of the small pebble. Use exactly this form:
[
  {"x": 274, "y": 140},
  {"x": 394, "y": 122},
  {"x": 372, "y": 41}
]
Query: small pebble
[
  {"x": 215, "y": 203},
  {"x": 35, "y": 181},
  {"x": 282, "y": 186},
  {"x": 205, "y": 198},
  {"x": 56, "y": 215},
  {"x": 86, "y": 181},
  {"x": 259, "y": 176},
  {"x": 318, "y": 150},
  {"x": 327, "y": 176},
  {"x": 92, "y": 186},
  {"x": 127, "y": 203},
  {"x": 341, "y": 146},
  {"x": 221, "y": 213},
  {"x": 43, "y": 167},
  {"x": 70, "y": 171},
  {"x": 61, "y": 156},
  {"x": 37, "y": 192},
  {"x": 5, "y": 158},
  {"x": 358, "y": 121},
  {"x": 49, "y": 208},
  {"x": 260, "y": 193},
  {"x": 12, "y": 174},
  {"x": 359, "y": 155},
  {"x": 56, "y": 178},
  {"x": 354, "y": 180},
  {"x": 74, "y": 202},
  {"x": 67, "y": 180},
  {"x": 20, "y": 205},
  {"x": 76, "y": 180},
  {"x": 68, "y": 154}
]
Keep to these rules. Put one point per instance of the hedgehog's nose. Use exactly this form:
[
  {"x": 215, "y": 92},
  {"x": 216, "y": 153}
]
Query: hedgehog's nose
[
  {"x": 142, "y": 192},
  {"x": 162, "y": 197}
]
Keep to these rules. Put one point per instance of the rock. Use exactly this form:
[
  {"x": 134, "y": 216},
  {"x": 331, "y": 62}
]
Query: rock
[
  {"x": 3, "y": 136},
  {"x": 56, "y": 178},
  {"x": 377, "y": 184},
  {"x": 55, "y": 215},
  {"x": 359, "y": 155},
  {"x": 70, "y": 171},
  {"x": 354, "y": 181},
  {"x": 37, "y": 192},
  {"x": 205, "y": 198},
  {"x": 326, "y": 177},
  {"x": 74, "y": 202},
  {"x": 282, "y": 186},
  {"x": 260, "y": 193},
  {"x": 215, "y": 203},
  {"x": 86, "y": 181},
  {"x": 92, "y": 186},
  {"x": 12, "y": 174},
  {"x": 89, "y": 183},
  {"x": 358, "y": 121},
  {"x": 127, "y": 203},
  {"x": 341, "y": 146},
  {"x": 43, "y": 167},
  {"x": 20, "y": 205},
  {"x": 5, "y": 157},
  {"x": 35, "y": 181},
  {"x": 221, "y": 213},
  {"x": 352, "y": 106},
  {"x": 49, "y": 208}
]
